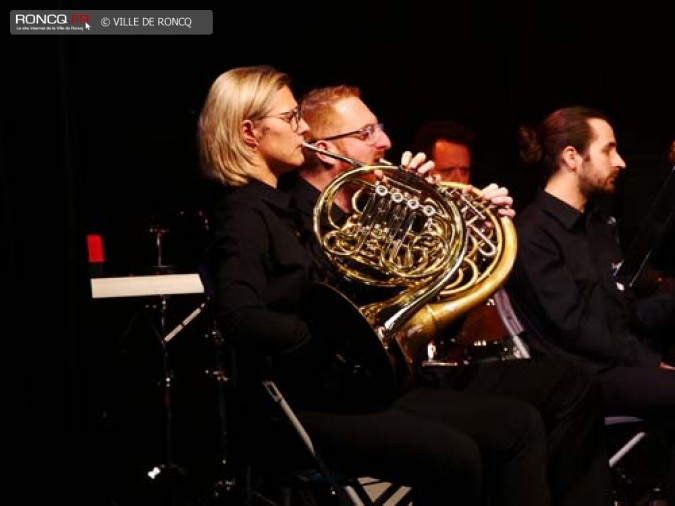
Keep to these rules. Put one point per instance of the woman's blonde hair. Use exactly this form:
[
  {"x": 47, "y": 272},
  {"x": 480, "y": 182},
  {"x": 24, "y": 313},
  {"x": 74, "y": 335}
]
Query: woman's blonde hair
[{"x": 236, "y": 95}]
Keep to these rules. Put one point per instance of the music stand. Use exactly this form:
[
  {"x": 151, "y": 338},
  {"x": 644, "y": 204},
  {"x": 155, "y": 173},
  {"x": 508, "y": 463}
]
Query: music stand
[{"x": 156, "y": 290}]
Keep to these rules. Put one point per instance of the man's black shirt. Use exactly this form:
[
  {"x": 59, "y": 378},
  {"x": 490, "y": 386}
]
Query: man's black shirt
[{"x": 563, "y": 289}]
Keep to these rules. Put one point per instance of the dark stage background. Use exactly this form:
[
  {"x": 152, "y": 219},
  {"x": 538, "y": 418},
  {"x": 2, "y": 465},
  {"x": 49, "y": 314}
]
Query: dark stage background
[{"x": 98, "y": 136}]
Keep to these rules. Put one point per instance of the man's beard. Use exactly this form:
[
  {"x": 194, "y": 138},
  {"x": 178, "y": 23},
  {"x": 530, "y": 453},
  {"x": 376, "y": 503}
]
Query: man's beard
[{"x": 592, "y": 186}]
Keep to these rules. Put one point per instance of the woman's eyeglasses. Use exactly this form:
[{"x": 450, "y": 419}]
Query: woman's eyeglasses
[{"x": 292, "y": 117}]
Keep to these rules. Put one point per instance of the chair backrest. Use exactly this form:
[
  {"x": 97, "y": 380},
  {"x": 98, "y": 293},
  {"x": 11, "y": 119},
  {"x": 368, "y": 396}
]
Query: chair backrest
[{"x": 511, "y": 323}]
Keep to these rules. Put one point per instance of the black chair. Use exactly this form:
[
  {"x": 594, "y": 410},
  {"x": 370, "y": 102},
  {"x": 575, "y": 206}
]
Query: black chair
[
  {"x": 321, "y": 484},
  {"x": 276, "y": 463}
]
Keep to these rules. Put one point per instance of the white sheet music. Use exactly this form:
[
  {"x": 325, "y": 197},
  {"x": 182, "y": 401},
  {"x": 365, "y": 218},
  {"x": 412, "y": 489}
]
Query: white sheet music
[{"x": 141, "y": 286}]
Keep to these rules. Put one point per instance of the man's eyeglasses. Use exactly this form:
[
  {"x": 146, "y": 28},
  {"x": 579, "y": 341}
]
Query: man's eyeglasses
[
  {"x": 291, "y": 117},
  {"x": 366, "y": 134}
]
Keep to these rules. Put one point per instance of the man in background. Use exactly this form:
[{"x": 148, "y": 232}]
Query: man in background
[{"x": 448, "y": 144}]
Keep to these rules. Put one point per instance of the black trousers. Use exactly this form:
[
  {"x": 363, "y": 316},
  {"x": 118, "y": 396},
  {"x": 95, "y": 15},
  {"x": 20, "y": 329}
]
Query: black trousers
[
  {"x": 647, "y": 392},
  {"x": 527, "y": 432},
  {"x": 445, "y": 444},
  {"x": 569, "y": 400}
]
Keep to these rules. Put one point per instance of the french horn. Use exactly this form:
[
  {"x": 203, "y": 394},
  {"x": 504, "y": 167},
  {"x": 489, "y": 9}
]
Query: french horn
[{"x": 440, "y": 249}]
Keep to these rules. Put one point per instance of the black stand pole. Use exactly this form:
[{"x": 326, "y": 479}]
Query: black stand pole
[
  {"x": 224, "y": 488},
  {"x": 167, "y": 473}
]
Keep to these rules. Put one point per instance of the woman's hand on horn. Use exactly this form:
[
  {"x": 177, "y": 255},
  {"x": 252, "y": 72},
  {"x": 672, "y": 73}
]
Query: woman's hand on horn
[{"x": 499, "y": 197}]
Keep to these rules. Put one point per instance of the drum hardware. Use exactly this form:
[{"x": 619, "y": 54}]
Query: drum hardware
[
  {"x": 158, "y": 236},
  {"x": 480, "y": 336},
  {"x": 178, "y": 240}
]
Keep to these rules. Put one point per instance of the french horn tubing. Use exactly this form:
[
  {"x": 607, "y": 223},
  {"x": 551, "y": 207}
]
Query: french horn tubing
[
  {"x": 490, "y": 254},
  {"x": 439, "y": 246}
]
